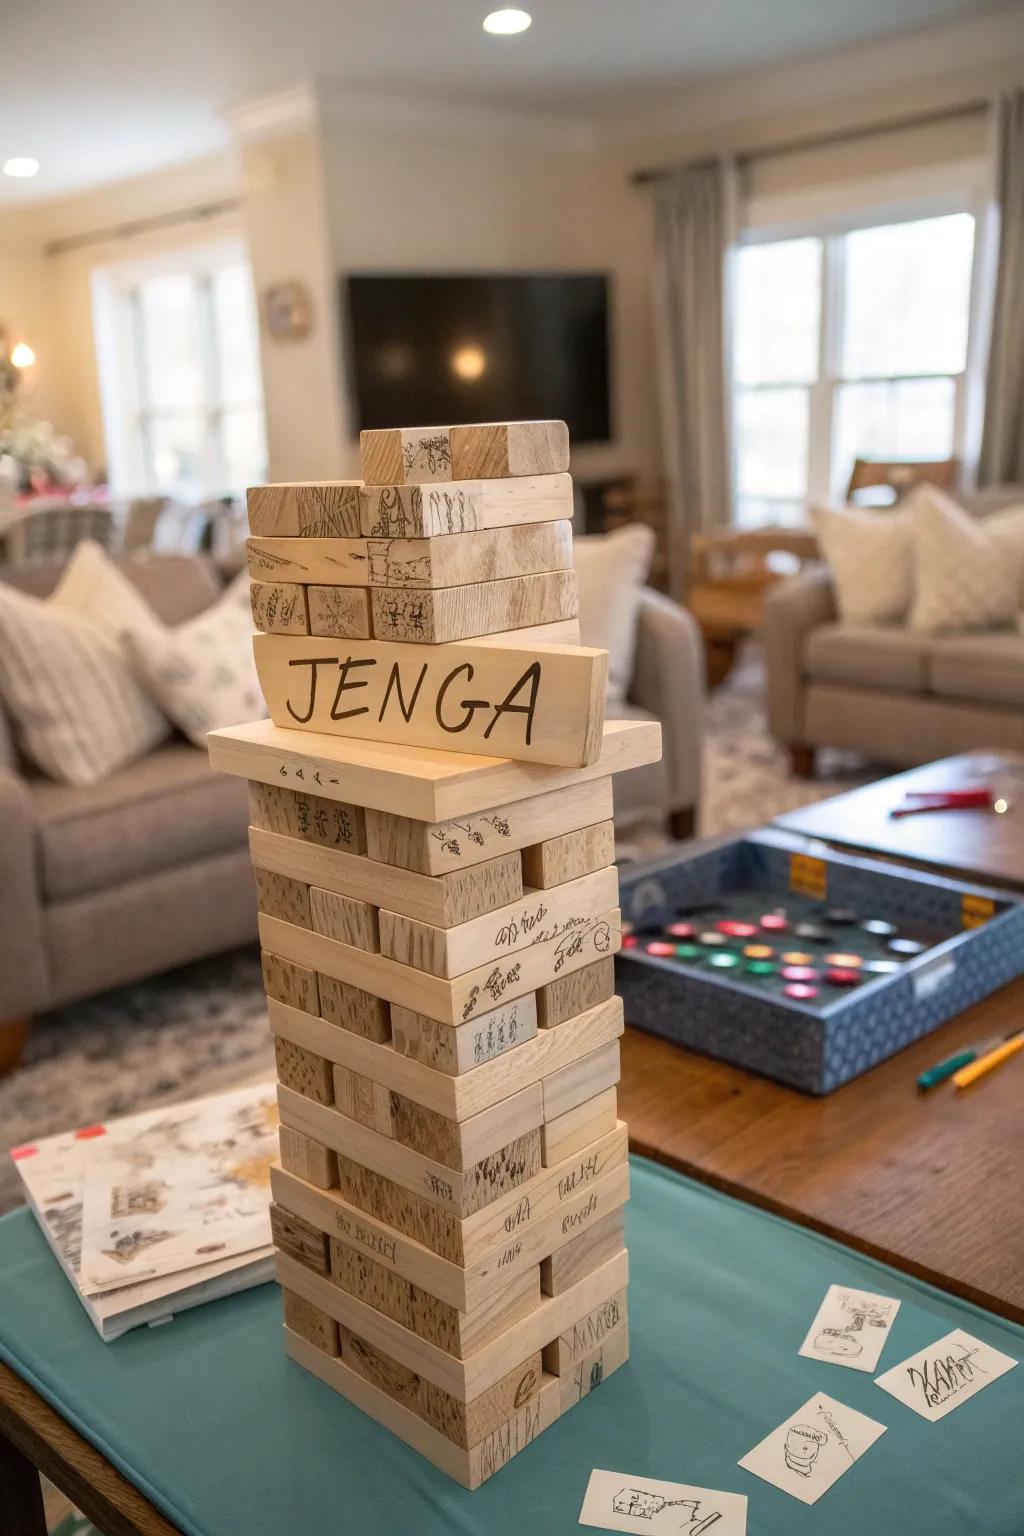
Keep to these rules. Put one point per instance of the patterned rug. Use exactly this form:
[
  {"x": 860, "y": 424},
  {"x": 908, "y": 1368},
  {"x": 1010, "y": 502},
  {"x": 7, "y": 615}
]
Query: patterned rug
[{"x": 204, "y": 1027}]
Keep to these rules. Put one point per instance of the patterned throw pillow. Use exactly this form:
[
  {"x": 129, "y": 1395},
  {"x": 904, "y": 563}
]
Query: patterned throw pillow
[
  {"x": 963, "y": 578},
  {"x": 870, "y": 556},
  {"x": 77, "y": 711},
  {"x": 202, "y": 673}
]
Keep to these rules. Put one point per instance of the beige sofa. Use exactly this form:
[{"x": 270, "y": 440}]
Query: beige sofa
[
  {"x": 150, "y": 869},
  {"x": 895, "y": 696}
]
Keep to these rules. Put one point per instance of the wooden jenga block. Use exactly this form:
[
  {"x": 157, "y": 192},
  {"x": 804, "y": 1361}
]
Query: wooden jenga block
[
  {"x": 569, "y": 856},
  {"x": 578, "y": 1127},
  {"x": 568, "y": 996},
  {"x": 308, "y": 1159},
  {"x": 293, "y": 984},
  {"x": 484, "y": 556},
  {"x": 441, "y": 615},
  {"x": 463, "y": 997},
  {"x": 328, "y": 562},
  {"x": 581, "y": 1080},
  {"x": 460, "y": 506},
  {"x": 315, "y": 819},
  {"x": 444, "y": 900},
  {"x": 493, "y": 450},
  {"x": 310, "y": 1323},
  {"x": 586, "y": 1334},
  {"x": 307, "y": 1073},
  {"x": 344, "y": 918},
  {"x": 456, "y": 1048},
  {"x": 317, "y": 509},
  {"x": 305, "y": 1243},
  {"x": 435, "y": 848},
  {"x": 279, "y": 607},
  {"x": 587, "y": 1373},
  {"x": 458, "y": 1333},
  {"x": 353, "y": 1009},
  {"x": 560, "y": 632},
  {"x": 464, "y": 1423},
  {"x": 342, "y": 613},
  {"x": 280, "y": 896},
  {"x": 569, "y": 1263},
  {"x": 362, "y": 1099},
  {"x": 401, "y": 1210},
  {"x": 450, "y": 952},
  {"x": 459, "y": 1144}
]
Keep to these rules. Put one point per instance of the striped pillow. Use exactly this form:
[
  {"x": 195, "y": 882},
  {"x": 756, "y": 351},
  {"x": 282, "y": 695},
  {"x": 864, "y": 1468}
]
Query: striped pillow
[{"x": 77, "y": 711}]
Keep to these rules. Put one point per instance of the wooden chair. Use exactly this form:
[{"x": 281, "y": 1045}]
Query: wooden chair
[
  {"x": 50, "y": 533},
  {"x": 730, "y": 572},
  {"x": 900, "y": 476}
]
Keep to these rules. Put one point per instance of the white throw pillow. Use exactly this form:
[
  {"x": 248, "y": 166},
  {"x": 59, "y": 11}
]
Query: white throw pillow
[
  {"x": 1006, "y": 530},
  {"x": 963, "y": 579},
  {"x": 870, "y": 556},
  {"x": 203, "y": 673},
  {"x": 611, "y": 568},
  {"x": 78, "y": 712}
]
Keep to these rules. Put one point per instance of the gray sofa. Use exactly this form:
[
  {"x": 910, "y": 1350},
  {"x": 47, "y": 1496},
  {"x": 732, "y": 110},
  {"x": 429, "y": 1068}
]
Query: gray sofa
[
  {"x": 150, "y": 869},
  {"x": 895, "y": 696}
]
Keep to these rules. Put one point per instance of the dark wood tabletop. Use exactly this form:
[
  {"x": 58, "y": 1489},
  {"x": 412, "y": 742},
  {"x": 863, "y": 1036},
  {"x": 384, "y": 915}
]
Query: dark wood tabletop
[{"x": 930, "y": 1183}]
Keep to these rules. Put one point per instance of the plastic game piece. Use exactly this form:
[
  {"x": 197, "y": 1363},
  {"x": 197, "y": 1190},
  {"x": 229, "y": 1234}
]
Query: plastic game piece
[
  {"x": 689, "y": 952},
  {"x": 800, "y": 991},
  {"x": 711, "y": 939},
  {"x": 907, "y": 947},
  {"x": 680, "y": 930},
  {"x": 845, "y": 962},
  {"x": 842, "y": 976},
  {"x": 724, "y": 959},
  {"x": 774, "y": 922},
  {"x": 630, "y": 941},
  {"x": 760, "y": 967},
  {"x": 797, "y": 957},
  {"x": 839, "y": 916},
  {"x": 879, "y": 927},
  {"x": 660, "y": 948},
  {"x": 813, "y": 931},
  {"x": 882, "y": 967},
  {"x": 798, "y": 973},
  {"x": 758, "y": 951}
]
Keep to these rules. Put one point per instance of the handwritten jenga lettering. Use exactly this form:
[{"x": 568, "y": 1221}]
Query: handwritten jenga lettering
[
  {"x": 510, "y": 1255},
  {"x": 581, "y": 1174},
  {"x": 519, "y": 1216},
  {"x": 439, "y": 1187},
  {"x": 576, "y": 1218}
]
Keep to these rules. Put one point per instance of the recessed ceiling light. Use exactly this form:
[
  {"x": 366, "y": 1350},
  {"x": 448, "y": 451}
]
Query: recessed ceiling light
[
  {"x": 21, "y": 165},
  {"x": 507, "y": 22}
]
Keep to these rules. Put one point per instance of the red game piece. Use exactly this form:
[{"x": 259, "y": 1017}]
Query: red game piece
[
  {"x": 658, "y": 948},
  {"x": 629, "y": 941},
  {"x": 800, "y": 992},
  {"x": 798, "y": 973},
  {"x": 774, "y": 922},
  {"x": 842, "y": 976},
  {"x": 735, "y": 929},
  {"x": 681, "y": 930}
]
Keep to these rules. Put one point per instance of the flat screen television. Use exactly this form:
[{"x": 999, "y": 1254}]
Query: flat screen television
[{"x": 480, "y": 347}]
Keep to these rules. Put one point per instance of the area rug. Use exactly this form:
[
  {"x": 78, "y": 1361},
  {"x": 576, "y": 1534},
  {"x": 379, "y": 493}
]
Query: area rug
[{"x": 204, "y": 1027}]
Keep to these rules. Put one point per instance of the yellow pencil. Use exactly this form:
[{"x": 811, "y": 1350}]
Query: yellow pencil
[{"x": 976, "y": 1069}]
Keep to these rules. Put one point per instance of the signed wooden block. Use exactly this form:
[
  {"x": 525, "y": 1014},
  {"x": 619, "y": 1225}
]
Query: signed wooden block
[
  {"x": 306, "y": 1244},
  {"x": 461, "y": 1143},
  {"x": 577, "y": 1128},
  {"x": 362, "y": 1099},
  {"x": 324, "y": 509},
  {"x": 592, "y": 1369},
  {"x": 435, "y": 847},
  {"x": 280, "y": 896},
  {"x": 308, "y": 1159},
  {"x": 462, "y": 998},
  {"x": 310, "y": 1323},
  {"x": 457, "y": 1048},
  {"x": 341, "y": 613},
  {"x": 581, "y": 1080},
  {"x": 460, "y": 506},
  {"x": 538, "y": 917},
  {"x": 279, "y": 607},
  {"x": 353, "y": 1009},
  {"x": 569, "y": 1263},
  {"x": 444, "y": 900},
  {"x": 345, "y": 918},
  {"x": 458, "y": 560},
  {"x": 585, "y": 1334},
  {"x": 568, "y": 996},
  {"x": 488, "y": 451},
  {"x": 304, "y": 1071},
  {"x": 444, "y": 614},
  {"x": 290, "y": 983},
  {"x": 569, "y": 856},
  {"x": 321, "y": 562},
  {"x": 294, "y": 813}
]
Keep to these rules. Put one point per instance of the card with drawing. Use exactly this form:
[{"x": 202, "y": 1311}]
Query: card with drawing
[
  {"x": 850, "y": 1328},
  {"x": 617, "y": 1502},
  {"x": 938, "y": 1379},
  {"x": 813, "y": 1448}
]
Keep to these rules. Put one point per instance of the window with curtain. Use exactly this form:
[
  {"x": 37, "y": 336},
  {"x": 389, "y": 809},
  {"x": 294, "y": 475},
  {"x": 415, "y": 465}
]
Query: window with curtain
[
  {"x": 180, "y": 374},
  {"x": 846, "y": 345}
]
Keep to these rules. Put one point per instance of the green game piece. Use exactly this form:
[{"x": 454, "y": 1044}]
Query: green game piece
[
  {"x": 723, "y": 960},
  {"x": 761, "y": 967},
  {"x": 689, "y": 952}
]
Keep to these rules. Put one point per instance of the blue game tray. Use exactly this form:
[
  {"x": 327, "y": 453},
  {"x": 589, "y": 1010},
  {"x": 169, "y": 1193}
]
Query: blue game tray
[{"x": 815, "y": 1046}]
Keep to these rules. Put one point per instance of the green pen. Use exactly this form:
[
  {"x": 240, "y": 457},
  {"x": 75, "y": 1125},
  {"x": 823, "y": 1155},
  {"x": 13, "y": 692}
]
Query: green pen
[{"x": 945, "y": 1069}]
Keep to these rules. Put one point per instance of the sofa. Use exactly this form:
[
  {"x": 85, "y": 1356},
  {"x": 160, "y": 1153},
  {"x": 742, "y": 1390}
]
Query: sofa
[
  {"x": 149, "y": 869},
  {"x": 893, "y": 695}
]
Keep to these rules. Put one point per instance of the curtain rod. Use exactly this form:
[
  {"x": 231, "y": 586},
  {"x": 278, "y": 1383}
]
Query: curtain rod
[
  {"x": 143, "y": 226},
  {"x": 818, "y": 140}
]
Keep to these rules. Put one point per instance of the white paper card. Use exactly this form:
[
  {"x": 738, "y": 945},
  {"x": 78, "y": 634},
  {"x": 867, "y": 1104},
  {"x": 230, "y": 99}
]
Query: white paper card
[
  {"x": 850, "y": 1328},
  {"x": 938, "y": 1379},
  {"x": 813, "y": 1448},
  {"x": 617, "y": 1502}
]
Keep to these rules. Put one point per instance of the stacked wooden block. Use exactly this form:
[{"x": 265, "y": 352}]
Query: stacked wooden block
[{"x": 438, "y": 928}]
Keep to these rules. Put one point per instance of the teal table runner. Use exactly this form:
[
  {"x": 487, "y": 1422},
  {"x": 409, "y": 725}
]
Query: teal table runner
[{"x": 228, "y": 1438}]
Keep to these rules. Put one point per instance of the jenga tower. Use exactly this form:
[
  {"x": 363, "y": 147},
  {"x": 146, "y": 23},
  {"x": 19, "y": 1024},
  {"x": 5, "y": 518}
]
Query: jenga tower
[{"x": 432, "y": 839}]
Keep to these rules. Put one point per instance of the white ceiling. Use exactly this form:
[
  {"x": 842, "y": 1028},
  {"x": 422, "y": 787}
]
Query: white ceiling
[{"x": 99, "y": 90}]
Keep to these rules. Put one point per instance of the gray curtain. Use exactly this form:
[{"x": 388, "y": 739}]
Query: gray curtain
[
  {"x": 1002, "y": 441},
  {"x": 693, "y": 232}
]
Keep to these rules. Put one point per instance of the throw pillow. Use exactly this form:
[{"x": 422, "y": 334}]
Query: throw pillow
[
  {"x": 870, "y": 556},
  {"x": 202, "y": 673},
  {"x": 1006, "y": 530},
  {"x": 963, "y": 579},
  {"x": 611, "y": 569}
]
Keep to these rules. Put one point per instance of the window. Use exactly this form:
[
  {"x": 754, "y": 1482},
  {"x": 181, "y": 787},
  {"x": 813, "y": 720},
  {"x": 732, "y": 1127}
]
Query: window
[
  {"x": 846, "y": 345},
  {"x": 178, "y": 344}
]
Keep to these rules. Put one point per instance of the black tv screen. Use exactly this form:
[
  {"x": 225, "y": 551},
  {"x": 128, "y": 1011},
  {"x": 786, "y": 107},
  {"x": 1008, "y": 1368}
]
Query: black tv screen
[{"x": 428, "y": 350}]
